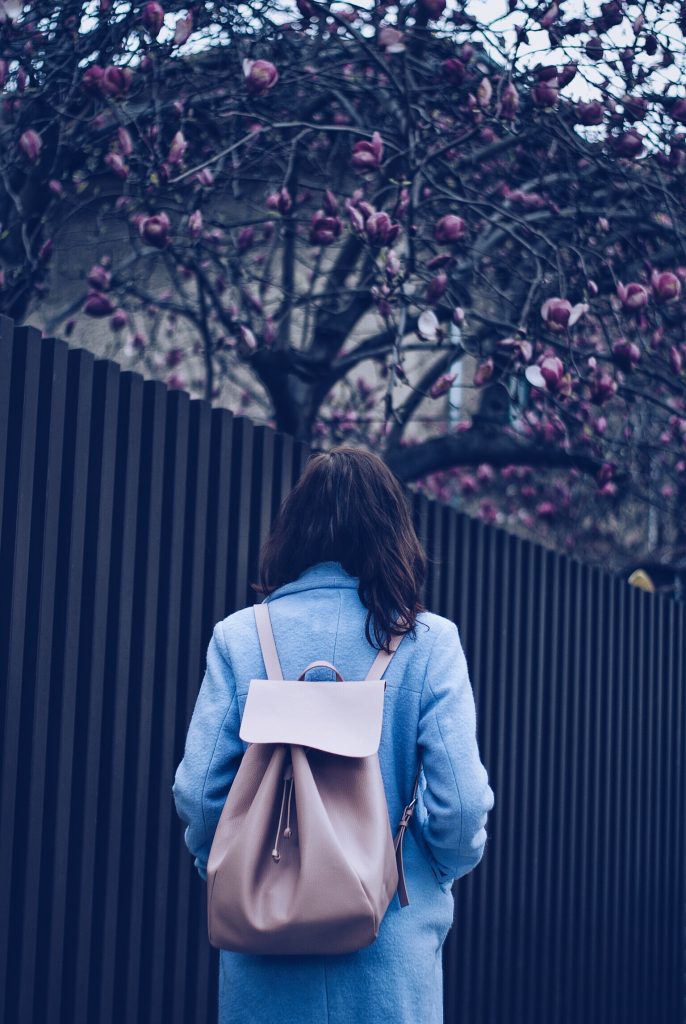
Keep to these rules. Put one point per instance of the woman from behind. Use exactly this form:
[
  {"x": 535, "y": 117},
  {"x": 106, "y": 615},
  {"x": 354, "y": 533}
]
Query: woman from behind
[{"x": 342, "y": 572}]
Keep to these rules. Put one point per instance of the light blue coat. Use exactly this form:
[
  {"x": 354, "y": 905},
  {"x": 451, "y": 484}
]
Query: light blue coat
[{"x": 429, "y": 713}]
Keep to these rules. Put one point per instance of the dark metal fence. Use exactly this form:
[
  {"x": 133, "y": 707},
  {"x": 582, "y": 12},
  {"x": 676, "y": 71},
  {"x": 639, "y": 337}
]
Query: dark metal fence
[{"x": 130, "y": 520}]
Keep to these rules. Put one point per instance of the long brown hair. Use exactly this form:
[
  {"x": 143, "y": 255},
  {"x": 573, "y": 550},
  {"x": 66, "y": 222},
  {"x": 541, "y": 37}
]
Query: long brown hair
[{"x": 348, "y": 507}]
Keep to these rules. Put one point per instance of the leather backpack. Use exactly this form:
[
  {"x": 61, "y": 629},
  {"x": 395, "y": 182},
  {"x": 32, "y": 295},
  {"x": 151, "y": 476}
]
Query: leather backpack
[{"x": 303, "y": 860}]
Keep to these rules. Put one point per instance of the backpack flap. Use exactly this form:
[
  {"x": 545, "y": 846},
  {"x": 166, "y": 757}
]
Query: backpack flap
[{"x": 338, "y": 717}]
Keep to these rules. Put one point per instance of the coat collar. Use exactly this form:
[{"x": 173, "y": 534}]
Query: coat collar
[{"x": 322, "y": 574}]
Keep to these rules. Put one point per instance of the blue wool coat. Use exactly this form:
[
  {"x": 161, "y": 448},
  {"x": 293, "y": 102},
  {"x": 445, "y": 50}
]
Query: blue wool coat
[{"x": 429, "y": 713}]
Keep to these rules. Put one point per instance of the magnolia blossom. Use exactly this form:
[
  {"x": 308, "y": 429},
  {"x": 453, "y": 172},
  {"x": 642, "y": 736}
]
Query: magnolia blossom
[
  {"x": 603, "y": 387},
  {"x": 625, "y": 353},
  {"x": 379, "y": 228},
  {"x": 508, "y": 104},
  {"x": 195, "y": 224},
  {"x": 666, "y": 286},
  {"x": 97, "y": 304},
  {"x": 453, "y": 69},
  {"x": 393, "y": 265},
  {"x": 368, "y": 155},
  {"x": 30, "y": 144},
  {"x": 483, "y": 372},
  {"x": 125, "y": 141},
  {"x": 324, "y": 229},
  {"x": 281, "y": 200},
  {"x": 590, "y": 113},
  {"x": 116, "y": 164},
  {"x": 559, "y": 314},
  {"x": 442, "y": 385},
  {"x": 552, "y": 369},
  {"x": 433, "y": 8},
  {"x": 177, "y": 148},
  {"x": 633, "y": 295},
  {"x": 98, "y": 277},
  {"x": 436, "y": 287},
  {"x": 391, "y": 39},
  {"x": 534, "y": 376},
  {"x": 10, "y": 10},
  {"x": 115, "y": 81},
  {"x": 155, "y": 230},
  {"x": 247, "y": 338},
  {"x": 119, "y": 319},
  {"x": 153, "y": 18},
  {"x": 183, "y": 29},
  {"x": 449, "y": 228},
  {"x": 427, "y": 325},
  {"x": 260, "y": 76}
]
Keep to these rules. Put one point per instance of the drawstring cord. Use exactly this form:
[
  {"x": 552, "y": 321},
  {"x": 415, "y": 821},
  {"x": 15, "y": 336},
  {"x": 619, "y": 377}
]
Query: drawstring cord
[{"x": 287, "y": 782}]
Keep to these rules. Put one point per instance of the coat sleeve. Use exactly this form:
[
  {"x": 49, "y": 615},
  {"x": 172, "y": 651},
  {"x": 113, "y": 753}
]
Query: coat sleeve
[
  {"x": 457, "y": 796},
  {"x": 212, "y": 753}
]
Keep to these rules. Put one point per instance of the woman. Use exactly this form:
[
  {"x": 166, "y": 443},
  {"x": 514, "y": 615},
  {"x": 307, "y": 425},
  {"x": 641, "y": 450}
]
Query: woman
[{"x": 342, "y": 563}]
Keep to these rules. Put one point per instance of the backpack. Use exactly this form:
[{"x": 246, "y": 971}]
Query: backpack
[{"x": 303, "y": 860}]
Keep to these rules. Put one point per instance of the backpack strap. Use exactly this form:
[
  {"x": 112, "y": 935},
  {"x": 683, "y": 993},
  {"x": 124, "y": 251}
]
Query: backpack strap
[
  {"x": 379, "y": 666},
  {"x": 266, "y": 635},
  {"x": 377, "y": 670}
]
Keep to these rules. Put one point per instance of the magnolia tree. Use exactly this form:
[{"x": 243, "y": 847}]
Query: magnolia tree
[{"x": 507, "y": 194}]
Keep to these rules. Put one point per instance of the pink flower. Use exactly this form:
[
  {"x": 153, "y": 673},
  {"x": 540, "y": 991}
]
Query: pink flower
[
  {"x": 633, "y": 295},
  {"x": 92, "y": 78},
  {"x": 625, "y": 354},
  {"x": 115, "y": 80},
  {"x": 380, "y": 230},
  {"x": 545, "y": 94},
  {"x": 433, "y": 8},
  {"x": 453, "y": 69},
  {"x": 391, "y": 39},
  {"x": 556, "y": 313},
  {"x": 546, "y": 510},
  {"x": 260, "y": 76},
  {"x": 177, "y": 149},
  {"x": 393, "y": 266},
  {"x": 324, "y": 229},
  {"x": 119, "y": 319},
  {"x": 116, "y": 164},
  {"x": 246, "y": 237},
  {"x": 98, "y": 277},
  {"x": 183, "y": 29},
  {"x": 155, "y": 230},
  {"x": 552, "y": 369},
  {"x": 125, "y": 141},
  {"x": 442, "y": 385},
  {"x": 508, "y": 104},
  {"x": 153, "y": 18},
  {"x": 483, "y": 372},
  {"x": 247, "y": 339},
  {"x": 590, "y": 113},
  {"x": 281, "y": 200},
  {"x": 205, "y": 177},
  {"x": 629, "y": 144},
  {"x": 449, "y": 228},
  {"x": 675, "y": 359},
  {"x": 603, "y": 387},
  {"x": 666, "y": 286},
  {"x": 195, "y": 224},
  {"x": 30, "y": 144},
  {"x": 436, "y": 287},
  {"x": 97, "y": 304},
  {"x": 368, "y": 155}
]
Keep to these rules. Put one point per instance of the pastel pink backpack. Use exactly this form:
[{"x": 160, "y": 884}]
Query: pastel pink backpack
[{"x": 303, "y": 859}]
